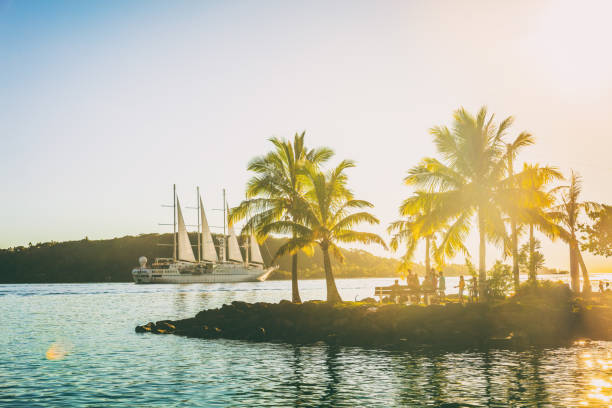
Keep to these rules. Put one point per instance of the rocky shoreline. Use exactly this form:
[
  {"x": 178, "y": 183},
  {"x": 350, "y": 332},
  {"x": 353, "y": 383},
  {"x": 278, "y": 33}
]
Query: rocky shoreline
[{"x": 552, "y": 318}]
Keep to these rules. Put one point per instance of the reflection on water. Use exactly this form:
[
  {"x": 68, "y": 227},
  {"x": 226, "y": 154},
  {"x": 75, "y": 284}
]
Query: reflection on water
[
  {"x": 333, "y": 376},
  {"x": 110, "y": 365}
]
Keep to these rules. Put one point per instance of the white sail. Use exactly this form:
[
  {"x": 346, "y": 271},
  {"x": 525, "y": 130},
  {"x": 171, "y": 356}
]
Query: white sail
[
  {"x": 209, "y": 253},
  {"x": 255, "y": 252},
  {"x": 233, "y": 248},
  {"x": 185, "y": 252}
]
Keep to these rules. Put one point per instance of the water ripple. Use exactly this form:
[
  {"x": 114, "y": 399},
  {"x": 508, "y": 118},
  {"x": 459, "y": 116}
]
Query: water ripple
[{"x": 109, "y": 365}]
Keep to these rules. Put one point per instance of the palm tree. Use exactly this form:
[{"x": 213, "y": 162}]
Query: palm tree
[
  {"x": 567, "y": 214},
  {"x": 464, "y": 184},
  {"x": 512, "y": 149},
  {"x": 276, "y": 191},
  {"x": 407, "y": 230},
  {"x": 534, "y": 210},
  {"x": 328, "y": 219},
  {"x": 523, "y": 198}
]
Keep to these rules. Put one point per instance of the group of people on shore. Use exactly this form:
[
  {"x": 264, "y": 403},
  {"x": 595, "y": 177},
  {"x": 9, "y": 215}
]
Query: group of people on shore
[{"x": 433, "y": 287}]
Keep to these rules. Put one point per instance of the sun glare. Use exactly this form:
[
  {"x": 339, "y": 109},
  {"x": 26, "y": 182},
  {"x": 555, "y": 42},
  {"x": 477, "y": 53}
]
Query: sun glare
[{"x": 57, "y": 351}]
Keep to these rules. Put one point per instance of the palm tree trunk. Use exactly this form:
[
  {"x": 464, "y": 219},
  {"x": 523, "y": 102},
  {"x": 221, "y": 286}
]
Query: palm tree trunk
[
  {"x": 574, "y": 273},
  {"x": 295, "y": 292},
  {"x": 586, "y": 282},
  {"x": 332, "y": 291},
  {"x": 482, "y": 266},
  {"x": 532, "y": 266},
  {"x": 515, "y": 255},
  {"x": 427, "y": 261}
]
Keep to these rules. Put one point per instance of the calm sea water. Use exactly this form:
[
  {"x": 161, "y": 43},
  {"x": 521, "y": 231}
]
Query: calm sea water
[{"x": 74, "y": 345}]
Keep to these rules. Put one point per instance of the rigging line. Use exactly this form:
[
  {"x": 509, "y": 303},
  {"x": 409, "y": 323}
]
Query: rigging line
[{"x": 268, "y": 251}]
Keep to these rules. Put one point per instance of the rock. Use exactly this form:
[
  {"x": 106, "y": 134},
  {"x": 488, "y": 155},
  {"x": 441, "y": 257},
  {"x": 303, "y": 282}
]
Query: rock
[
  {"x": 532, "y": 320},
  {"x": 259, "y": 334},
  {"x": 238, "y": 305},
  {"x": 145, "y": 328}
]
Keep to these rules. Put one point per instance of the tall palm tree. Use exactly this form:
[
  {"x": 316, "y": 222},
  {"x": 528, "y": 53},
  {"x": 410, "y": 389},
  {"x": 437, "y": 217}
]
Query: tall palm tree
[
  {"x": 464, "y": 184},
  {"x": 567, "y": 213},
  {"x": 328, "y": 219},
  {"x": 512, "y": 150},
  {"x": 276, "y": 191},
  {"x": 407, "y": 230}
]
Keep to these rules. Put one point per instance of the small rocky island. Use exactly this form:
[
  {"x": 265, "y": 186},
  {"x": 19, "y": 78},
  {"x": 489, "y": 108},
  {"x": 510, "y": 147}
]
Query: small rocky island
[{"x": 541, "y": 317}]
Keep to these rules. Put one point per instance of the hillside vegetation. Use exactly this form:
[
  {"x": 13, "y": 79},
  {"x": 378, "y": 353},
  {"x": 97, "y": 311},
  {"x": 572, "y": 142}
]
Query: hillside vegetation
[{"x": 112, "y": 260}]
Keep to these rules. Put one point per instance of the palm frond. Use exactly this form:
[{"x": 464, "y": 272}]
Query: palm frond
[
  {"x": 350, "y": 237},
  {"x": 352, "y": 220}
]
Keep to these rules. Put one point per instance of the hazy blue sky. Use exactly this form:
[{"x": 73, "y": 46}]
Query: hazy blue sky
[{"x": 105, "y": 104}]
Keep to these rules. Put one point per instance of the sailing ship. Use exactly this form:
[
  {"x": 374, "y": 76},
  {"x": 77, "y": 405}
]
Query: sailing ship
[{"x": 216, "y": 262}]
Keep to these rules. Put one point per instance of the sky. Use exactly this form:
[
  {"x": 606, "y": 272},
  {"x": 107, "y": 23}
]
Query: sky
[{"x": 105, "y": 104}]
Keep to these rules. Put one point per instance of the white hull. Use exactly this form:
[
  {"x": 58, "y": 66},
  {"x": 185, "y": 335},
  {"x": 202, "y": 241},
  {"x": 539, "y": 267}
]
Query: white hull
[{"x": 220, "y": 273}]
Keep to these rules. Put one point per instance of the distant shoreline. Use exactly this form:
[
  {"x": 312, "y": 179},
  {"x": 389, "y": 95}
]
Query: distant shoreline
[{"x": 269, "y": 280}]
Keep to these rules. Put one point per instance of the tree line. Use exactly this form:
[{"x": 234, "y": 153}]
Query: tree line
[
  {"x": 472, "y": 184},
  {"x": 112, "y": 260}
]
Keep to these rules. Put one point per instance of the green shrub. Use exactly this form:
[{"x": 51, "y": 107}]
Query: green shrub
[{"x": 499, "y": 280}]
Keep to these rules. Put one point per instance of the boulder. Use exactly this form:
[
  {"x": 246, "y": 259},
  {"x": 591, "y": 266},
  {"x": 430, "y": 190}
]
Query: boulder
[{"x": 145, "y": 328}]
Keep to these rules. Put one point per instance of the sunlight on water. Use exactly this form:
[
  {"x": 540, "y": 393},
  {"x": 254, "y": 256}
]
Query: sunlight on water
[{"x": 599, "y": 389}]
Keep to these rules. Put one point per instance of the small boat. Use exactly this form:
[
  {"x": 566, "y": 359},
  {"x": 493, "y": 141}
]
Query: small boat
[{"x": 216, "y": 262}]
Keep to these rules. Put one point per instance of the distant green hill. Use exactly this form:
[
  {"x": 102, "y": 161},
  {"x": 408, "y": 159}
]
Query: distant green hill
[{"x": 111, "y": 260}]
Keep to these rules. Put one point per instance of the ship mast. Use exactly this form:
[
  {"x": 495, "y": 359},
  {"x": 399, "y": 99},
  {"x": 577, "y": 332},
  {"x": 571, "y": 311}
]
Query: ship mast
[
  {"x": 224, "y": 222},
  {"x": 247, "y": 246},
  {"x": 174, "y": 215},
  {"x": 199, "y": 234}
]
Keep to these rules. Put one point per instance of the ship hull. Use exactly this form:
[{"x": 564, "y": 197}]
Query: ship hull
[{"x": 224, "y": 273}]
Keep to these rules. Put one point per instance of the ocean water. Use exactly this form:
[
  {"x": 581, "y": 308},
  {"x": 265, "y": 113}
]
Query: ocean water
[{"x": 75, "y": 345}]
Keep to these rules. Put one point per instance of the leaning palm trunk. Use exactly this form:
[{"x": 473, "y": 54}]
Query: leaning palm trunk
[
  {"x": 332, "y": 291},
  {"x": 515, "y": 256},
  {"x": 514, "y": 231},
  {"x": 574, "y": 276},
  {"x": 586, "y": 282},
  {"x": 482, "y": 266},
  {"x": 295, "y": 292},
  {"x": 427, "y": 261}
]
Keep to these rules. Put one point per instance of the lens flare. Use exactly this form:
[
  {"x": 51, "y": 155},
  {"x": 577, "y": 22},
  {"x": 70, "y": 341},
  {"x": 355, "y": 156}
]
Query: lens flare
[{"x": 57, "y": 351}]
